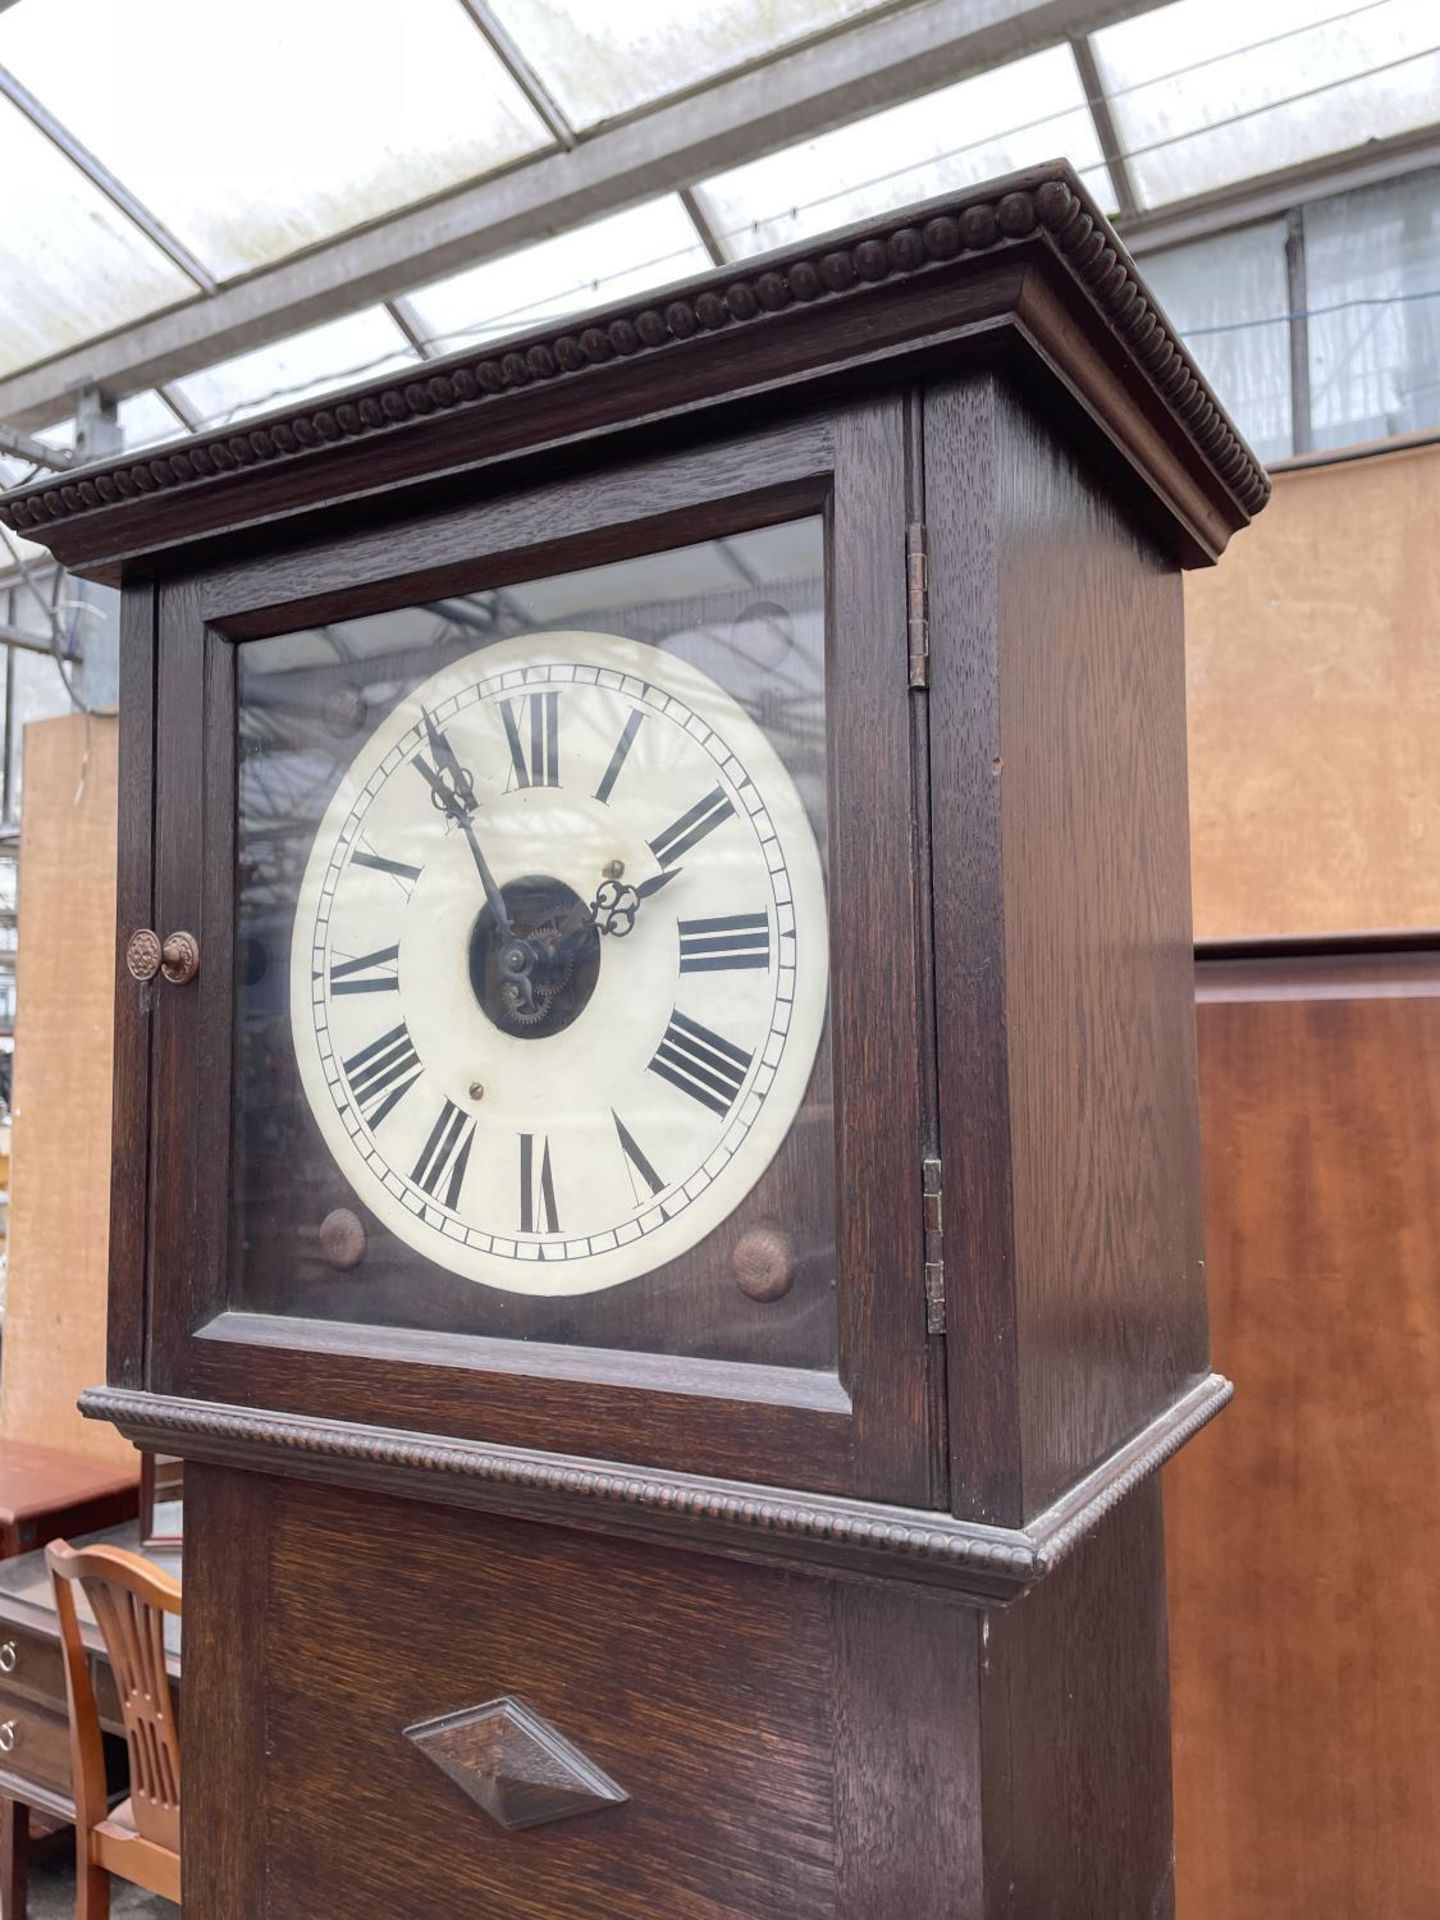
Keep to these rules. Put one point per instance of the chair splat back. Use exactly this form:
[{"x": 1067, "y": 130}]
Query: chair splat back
[
  {"x": 134, "y": 1632},
  {"x": 129, "y": 1598}
]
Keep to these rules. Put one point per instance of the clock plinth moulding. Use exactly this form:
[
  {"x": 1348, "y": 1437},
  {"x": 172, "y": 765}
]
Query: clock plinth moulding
[{"x": 834, "y": 1536}]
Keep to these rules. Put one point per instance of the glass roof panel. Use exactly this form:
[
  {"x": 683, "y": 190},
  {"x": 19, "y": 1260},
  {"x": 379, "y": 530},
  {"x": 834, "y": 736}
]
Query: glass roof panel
[
  {"x": 317, "y": 361},
  {"x": 1209, "y": 92},
  {"x": 145, "y": 420},
  {"x": 599, "y": 61},
  {"x": 1372, "y": 278},
  {"x": 643, "y": 247},
  {"x": 314, "y": 117},
  {"x": 71, "y": 265},
  {"x": 1030, "y": 110},
  {"x": 1228, "y": 298}
]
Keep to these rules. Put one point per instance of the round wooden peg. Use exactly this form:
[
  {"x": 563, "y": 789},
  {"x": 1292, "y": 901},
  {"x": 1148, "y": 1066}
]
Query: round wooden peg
[
  {"x": 342, "y": 1239},
  {"x": 764, "y": 1263}
]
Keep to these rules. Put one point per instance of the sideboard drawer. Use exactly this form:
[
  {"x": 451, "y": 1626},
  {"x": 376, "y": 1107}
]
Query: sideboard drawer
[
  {"x": 34, "y": 1744},
  {"x": 32, "y": 1667}
]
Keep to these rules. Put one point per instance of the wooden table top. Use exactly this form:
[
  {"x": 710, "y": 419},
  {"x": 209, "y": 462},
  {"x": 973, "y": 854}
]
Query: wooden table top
[{"x": 35, "y": 1481}]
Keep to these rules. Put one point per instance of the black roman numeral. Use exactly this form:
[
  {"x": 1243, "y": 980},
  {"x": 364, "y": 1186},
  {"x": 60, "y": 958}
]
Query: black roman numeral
[
  {"x": 371, "y": 973},
  {"x": 700, "y": 1063},
  {"x": 381, "y": 1074},
  {"x": 681, "y": 834},
  {"x": 738, "y": 940},
  {"x": 617, "y": 759},
  {"x": 537, "y": 1187},
  {"x": 635, "y": 1160},
  {"x": 398, "y": 869},
  {"x": 446, "y": 1155},
  {"x": 532, "y": 726}
]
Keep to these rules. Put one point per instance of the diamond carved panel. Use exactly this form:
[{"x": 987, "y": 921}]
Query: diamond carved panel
[{"x": 522, "y": 1771}]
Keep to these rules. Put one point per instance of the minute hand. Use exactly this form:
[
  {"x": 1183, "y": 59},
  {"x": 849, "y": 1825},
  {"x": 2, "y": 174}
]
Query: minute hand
[{"x": 451, "y": 801}]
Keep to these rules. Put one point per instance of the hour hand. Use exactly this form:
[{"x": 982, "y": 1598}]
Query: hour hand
[
  {"x": 654, "y": 884},
  {"x": 616, "y": 903}
]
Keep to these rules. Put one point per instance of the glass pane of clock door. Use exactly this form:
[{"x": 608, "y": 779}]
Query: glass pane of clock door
[{"x": 532, "y": 961}]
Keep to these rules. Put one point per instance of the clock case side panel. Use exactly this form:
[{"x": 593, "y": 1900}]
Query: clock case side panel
[
  {"x": 1068, "y": 1103},
  {"x": 865, "y": 1433}
]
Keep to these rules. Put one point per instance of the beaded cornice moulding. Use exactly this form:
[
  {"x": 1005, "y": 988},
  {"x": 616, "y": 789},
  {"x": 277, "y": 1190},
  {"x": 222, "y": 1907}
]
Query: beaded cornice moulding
[
  {"x": 823, "y": 1532},
  {"x": 1044, "y": 210}
]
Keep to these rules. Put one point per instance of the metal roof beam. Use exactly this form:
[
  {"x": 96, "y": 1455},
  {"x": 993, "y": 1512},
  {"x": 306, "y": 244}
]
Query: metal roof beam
[
  {"x": 100, "y": 176},
  {"x": 1106, "y": 131},
  {"x": 879, "y": 63},
  {"x": 39, "y": 453},
  {"x": 520, "y": 71},
  {"x": 1275, "y": 193}
]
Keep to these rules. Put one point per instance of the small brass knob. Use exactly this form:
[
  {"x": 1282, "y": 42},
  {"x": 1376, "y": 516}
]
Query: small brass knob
[
  {"x": 180, "y": 958},
  {"x": 9, "y": 1737},
  {"x": 9, "y": 1655},
  {"x": 142, "y": 953}
]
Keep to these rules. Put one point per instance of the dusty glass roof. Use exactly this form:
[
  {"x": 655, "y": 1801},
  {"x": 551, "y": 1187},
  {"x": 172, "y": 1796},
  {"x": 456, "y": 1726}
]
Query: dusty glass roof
[{"x": 164, "y": 158}]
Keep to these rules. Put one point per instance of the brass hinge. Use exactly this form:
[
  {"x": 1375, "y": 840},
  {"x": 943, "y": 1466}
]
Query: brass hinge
[
  {"x": 917, "y": 604},
  {"x": 933, "y": 1205}
]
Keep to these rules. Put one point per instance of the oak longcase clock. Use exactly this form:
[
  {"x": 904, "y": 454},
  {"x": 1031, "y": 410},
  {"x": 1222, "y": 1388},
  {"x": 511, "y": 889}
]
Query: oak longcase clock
[{"x": 656, "y": 1168}]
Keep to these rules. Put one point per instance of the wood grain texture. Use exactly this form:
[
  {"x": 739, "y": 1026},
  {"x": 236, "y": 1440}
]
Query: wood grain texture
[
  {"x": 60, "y": 1152},
  {"x": 874, "y": 973},
  {"x": 1301, "y": 1533},
  {"x": 134, "y": 907},
  {"x": 224, "y": 1703},
  {"x": 192, "y": 1026},
  {"x": 908, "y": 1776},
  {"x": 790, "y": 1747},
  {"x": 971, "y": 1020},
  {"x": 1314, "y": 671},
  {"x": 1063, "y": 958},
  {"x": 1075, "y": 1734},
  {"x": 1104, "y": 1132},
  {"x": 703, "y": 1689}
]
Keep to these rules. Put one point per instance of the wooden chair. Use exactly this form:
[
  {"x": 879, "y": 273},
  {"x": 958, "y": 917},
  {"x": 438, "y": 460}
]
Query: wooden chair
[{"x": 139, "y": 1839}]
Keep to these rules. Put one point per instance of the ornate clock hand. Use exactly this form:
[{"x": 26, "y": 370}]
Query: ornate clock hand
[
  {"x": 455, "y": 798},
  {"x": 616, "y": 903}
]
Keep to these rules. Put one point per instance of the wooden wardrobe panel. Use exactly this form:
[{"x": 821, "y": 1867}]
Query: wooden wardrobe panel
[{"x": 1302, "y": 1528}]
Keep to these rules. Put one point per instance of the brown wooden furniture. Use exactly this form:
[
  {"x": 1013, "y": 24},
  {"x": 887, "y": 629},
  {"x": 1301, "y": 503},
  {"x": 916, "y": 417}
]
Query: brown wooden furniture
[
  {"x": 44, "y": 1492},
  {"x": 814, "y": 1569},
  {"x": 1301, "y": 1532},
  {"x": 35, "y": 1764},
  {"x": 140, "y": 1839}
]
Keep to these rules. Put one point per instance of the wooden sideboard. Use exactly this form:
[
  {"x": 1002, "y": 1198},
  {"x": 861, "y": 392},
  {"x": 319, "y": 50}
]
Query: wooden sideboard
[
  {"x": 34, "y": 1730},
  {"x": 1300, "y": 1532}
]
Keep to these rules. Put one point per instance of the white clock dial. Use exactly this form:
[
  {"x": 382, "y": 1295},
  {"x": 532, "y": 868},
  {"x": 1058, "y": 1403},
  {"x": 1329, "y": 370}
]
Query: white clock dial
[{"x": 559, "y": 966}]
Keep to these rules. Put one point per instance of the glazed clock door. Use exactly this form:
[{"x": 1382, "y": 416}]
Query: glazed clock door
[
  {"x": 558, "y": 966},
  {"x": 556, "y": 1044}
]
